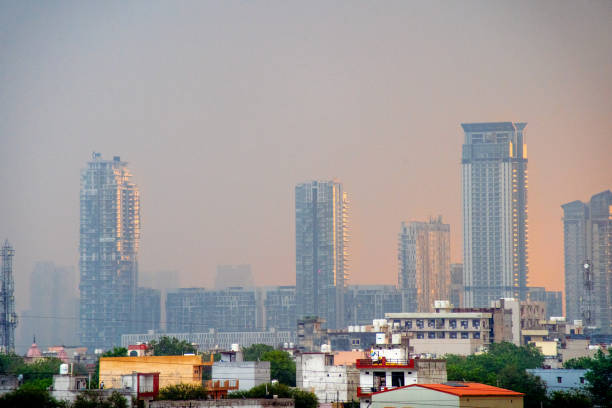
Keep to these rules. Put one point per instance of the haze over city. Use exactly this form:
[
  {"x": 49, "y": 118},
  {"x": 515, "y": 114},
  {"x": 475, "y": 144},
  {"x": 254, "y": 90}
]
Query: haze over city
[{"x": 220, "y": 109}]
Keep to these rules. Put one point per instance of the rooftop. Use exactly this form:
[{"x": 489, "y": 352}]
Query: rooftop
[
  {"x": 488, "y": 127},
  {"x": 464, "y": 389}
]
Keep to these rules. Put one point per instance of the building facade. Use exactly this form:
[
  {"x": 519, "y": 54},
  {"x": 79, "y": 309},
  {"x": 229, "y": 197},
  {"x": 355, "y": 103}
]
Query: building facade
[
  {"x": 552, "y": 299},
  {"x": 108, "y": 249},
  {"x": 424, "y": 264},
  {"x": 456, "y": 285},
  {"x": 321, "y": 238},
  {"x": 494, "y": 201},
  {"x": 587, "y": 230},
  {"x": 365, "y": 303},
  {"x": 148, "y": 310}
]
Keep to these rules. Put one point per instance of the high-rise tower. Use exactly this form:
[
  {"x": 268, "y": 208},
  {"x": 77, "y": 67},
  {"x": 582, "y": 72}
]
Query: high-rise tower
[
  {"x": 321, "y": 256},
  {"x": 494, "y": 186},
  {"x": 109, "y": 237},
  {"x": 587, "y": 233},
  {"x": 424, "y": 264},
  {"x": 8, "y": 317}
]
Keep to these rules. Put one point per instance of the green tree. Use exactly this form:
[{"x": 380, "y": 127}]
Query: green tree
[
  {"x": 569, "y": 399},
  {"x": 599, "y": 377},
  {"x": 282, "y": 366},
  {"x": 115, "y": 352},
  {"x": 29, "y": 397},
  {"x": 503, "y": 365},
  {"x": 182, "y": 392},
  {"x": 579, "y": 363},
  {"x": 171, "y": 346},
  {"x": 302, "y": 399},
  {"x": 95, "y": 399},
  {"x": 255, "y": 351}
]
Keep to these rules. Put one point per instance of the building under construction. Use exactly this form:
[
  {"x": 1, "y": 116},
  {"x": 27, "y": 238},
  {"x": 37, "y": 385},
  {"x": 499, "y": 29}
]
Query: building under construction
[
  {"x": 109, "y": 236},
  {"x": 8, "y": 317}
]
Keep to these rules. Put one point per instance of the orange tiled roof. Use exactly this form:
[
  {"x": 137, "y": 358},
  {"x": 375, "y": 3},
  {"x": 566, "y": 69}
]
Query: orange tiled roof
[
  {"x": 470, "y": 388},
  {"x": 463, "y": 389}
]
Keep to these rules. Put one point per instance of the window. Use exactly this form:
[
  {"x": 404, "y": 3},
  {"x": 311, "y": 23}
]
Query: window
[
  {"x": 452, "y": 335},
  {"x": 465, "y": 335},
  {"x": 420, "y": 323},
  {"x": 431, "y": 335},
  {"x": 431, "y": 323},
  {"x": 409, "y": 324},
  {"x": 453, "y": 323},
  {"x": 420, "y": 335},
  {"x": 440, "y": 335},
  {"x": 476, "y": 323},
  {"x": 477, "y": 335},
  {"x": 581, "y": 380},
  {"x": 559, "y": 379},
  {"x": 464, "y": 324}
]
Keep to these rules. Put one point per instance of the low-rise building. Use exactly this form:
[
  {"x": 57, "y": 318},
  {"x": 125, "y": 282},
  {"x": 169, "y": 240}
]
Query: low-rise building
[
  {"x": 443, "y": 332},
  {"x": 390, "y": 367},
  {"x": 561, "y": 379},
  {"x": 172, "y": 369},
  {"x": 8, "y": 383},
  {"x": 451, "y": 394},
  {"x": 247, "y": 374},
  {"x": 317, "y": 373}
]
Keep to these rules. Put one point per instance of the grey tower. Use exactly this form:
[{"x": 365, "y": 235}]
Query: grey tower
[
  {"x": 8, "y": 317},
  {"x": 494, "y": 201},
  {"x": 587, "y": 230},
  {"x": 321, "y": 257},
  {"x": 109, "y": 237}
]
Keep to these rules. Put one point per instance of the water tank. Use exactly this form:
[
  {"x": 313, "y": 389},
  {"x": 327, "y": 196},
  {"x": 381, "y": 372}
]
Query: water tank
[
  {"x": 235, "y": 347},
  {"x": 325, "y": 348},
  {"x": 64, "y": 369},
  {"x": 290, "y": 345},
  {"x": 285, "y": 345}
]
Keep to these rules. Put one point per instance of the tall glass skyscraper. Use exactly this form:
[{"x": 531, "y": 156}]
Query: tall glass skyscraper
[
  {"x": 109, "y": 237},
  {"x": 587, "y": 233},
  {"x": 321, "y": 256},
  {"x": 494, "y": 187}
]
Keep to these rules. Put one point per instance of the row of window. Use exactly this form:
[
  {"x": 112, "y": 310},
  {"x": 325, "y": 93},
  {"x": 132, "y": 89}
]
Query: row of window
[
  {"x": 440, "y": 323},
  {"x": 448, "y": 335}
]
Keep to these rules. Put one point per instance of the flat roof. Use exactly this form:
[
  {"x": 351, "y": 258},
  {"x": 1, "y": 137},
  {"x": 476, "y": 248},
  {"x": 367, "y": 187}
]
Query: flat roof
[{"x": 488, "y": 127}]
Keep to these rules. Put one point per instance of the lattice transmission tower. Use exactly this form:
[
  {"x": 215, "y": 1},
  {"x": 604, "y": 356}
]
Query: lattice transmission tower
[{"x": 8, "y": 317}]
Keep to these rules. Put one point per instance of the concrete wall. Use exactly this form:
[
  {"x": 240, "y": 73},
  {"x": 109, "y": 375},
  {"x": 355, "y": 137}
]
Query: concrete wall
[
  {"x": 570, "y": 379},
  {"x": 491, "y": 402},
  {"x": 171, "y": 369},
  {"x": 440, "y": 347},
  {"x": 226, "y": 403},
  {"x": 328, "y": 382},
  {"x": 248, "y": 373}
]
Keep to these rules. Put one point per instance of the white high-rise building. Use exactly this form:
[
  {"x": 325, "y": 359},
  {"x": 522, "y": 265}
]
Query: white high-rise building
[
  {"x": 321, "y": 256},
  {"x": 494, "y": 187}
]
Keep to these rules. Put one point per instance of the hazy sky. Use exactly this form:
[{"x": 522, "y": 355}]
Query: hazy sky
[{"x": 221, "y": 108}]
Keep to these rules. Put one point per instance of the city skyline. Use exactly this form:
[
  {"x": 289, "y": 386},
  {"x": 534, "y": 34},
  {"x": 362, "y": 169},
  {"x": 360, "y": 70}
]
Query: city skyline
[{"x": 219, "y": 125}]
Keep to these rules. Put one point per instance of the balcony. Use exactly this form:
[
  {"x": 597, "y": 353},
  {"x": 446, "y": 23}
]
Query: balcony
[
  {"x": 367, "y": 363},
  {"x": 219, "y": 389}
]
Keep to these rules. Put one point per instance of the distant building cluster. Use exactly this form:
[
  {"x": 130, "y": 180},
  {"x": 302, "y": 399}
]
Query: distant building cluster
[{"x": 495, "y": 260}]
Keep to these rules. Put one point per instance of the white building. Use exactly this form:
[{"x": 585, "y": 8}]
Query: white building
[
  {"x": 389, "y": 367},
  {"x": 494, "y": 195},
  {"x": 316, "y": 372},
  {"x": 248, "y": 373}
]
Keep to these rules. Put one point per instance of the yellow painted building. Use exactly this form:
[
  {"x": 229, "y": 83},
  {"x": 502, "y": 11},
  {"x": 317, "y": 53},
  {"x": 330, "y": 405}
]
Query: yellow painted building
[{"x": 171, "y": 369}]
